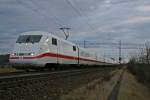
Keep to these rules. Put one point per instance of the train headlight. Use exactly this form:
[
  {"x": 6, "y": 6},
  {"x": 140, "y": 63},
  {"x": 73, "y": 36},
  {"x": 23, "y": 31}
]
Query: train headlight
[
  {"x": 13, "y": 54},
  {"x": 32, "y": 54}
]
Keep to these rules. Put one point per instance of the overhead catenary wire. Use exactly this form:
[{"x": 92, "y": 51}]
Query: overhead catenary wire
[
  {"x": 79, "y": 12},
  {"x": 57, "y": 21},
  {"x": 123, "y": 1},
  {"x": 108, "y": 45},
  {"x": 83, "y": 13}
]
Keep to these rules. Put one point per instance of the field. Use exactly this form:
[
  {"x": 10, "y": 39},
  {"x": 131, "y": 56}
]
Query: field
[{"x": 4, "y": 69}]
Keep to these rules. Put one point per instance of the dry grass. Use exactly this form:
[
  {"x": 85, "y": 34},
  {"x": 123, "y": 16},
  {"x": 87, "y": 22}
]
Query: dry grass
[
  {"x": 7, "y": 69},
  {"x": 96, "y": 90},
  {"x": 131, "y": 89}
]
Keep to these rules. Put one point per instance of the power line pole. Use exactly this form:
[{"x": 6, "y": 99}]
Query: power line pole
[
  {"x": 120, "y": 48},
  {"x": 65, "y": 32},
  {"x": 104, "y": 58},
  {"x": 147, "y": 53},
  {"x": 84, "y": 44}
]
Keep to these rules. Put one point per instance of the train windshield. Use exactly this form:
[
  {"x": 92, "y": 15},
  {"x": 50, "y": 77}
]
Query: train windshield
[{"x": 29, "y": 39}]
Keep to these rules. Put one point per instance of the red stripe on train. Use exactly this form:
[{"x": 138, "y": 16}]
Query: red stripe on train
[{"x": 54, "y": 55}]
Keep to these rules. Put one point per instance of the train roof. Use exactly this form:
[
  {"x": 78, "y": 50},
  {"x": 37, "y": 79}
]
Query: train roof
[
  {"x": 34, "y": 33},
  {"x": 48, "y": 34}
]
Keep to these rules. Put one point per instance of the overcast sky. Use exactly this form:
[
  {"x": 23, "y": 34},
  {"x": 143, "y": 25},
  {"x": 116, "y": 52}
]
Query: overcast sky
[{"x": 98, "y": 20}]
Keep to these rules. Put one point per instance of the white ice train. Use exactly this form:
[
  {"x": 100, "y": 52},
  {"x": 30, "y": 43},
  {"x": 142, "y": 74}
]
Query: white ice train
[{"x": 37, "y": 49}]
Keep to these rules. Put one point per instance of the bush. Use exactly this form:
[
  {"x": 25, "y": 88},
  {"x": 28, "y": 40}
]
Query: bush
[{"x": 141, "y": 71}]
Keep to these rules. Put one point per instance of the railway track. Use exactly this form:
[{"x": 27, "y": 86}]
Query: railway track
[
  {"x": 14, "y": 82},
  {"x": 10, "y": 81}
]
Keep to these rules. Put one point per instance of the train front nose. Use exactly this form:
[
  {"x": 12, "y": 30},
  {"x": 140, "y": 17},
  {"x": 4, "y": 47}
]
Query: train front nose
[
  {"x": 25, "y": 50},
  {"x": 24, "y": 55}
]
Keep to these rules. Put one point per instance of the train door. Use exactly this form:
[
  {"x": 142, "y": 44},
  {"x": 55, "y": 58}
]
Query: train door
[
  {"x": 60, "y": 50},
  {"x": 54, "y": 49}
]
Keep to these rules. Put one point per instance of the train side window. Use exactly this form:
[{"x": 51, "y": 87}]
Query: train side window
[
  {"x": 74, "y": 48},
  {"x": 54, "y": 41}
]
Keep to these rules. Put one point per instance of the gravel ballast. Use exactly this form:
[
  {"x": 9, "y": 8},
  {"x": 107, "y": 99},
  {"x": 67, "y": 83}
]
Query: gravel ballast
[{"x": 51, "y": 89}]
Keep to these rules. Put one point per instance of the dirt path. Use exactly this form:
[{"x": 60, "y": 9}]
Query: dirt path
[{"x": 114, "y": 94}]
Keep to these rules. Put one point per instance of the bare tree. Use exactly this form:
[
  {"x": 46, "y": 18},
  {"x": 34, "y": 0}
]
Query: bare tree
[
  {"x": 147, "y": 52},
  {"x": 143, "y": 56}
]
